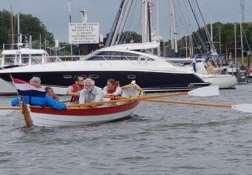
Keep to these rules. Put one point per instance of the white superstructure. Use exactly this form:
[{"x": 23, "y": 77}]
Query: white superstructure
[{"x": 23, "y": 56}]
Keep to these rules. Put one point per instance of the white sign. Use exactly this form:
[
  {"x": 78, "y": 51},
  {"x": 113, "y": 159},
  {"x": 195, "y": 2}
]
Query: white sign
[{"x": 84, "y": 33}]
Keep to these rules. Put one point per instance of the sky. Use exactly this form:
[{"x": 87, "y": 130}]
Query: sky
[{"x": 54, "y": 13}]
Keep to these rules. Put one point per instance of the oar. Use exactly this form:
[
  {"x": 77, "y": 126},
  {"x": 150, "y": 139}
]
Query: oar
[
  {"x": 6, "y": 110},
  {"x": 247, "y": 108},
  {"x": 200, "y": 92},
  {"x": 27, "y": 115},
  {"x": 9, "y": 108},
  {"x": 125, "y": 99},
  {"x": 24, "y": 109}
]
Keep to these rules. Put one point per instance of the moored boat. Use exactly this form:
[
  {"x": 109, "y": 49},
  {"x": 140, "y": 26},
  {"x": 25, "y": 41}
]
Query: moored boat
[
  {"x": 224, "y": 81},
  {"x": 121, "y": 63},
  {"x": 73, "y": 116}
]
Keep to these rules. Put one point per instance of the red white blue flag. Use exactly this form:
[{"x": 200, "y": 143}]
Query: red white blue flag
[{"x": 26, "y": 89}]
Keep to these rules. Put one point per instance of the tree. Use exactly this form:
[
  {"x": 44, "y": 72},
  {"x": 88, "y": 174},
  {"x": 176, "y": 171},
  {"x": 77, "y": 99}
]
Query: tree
[
  {"x": 127, "y": 37},
  {"x": 29, "y": 25},
  {"x": 223, "y": 37},
  {"x": 130, "y": 37}
]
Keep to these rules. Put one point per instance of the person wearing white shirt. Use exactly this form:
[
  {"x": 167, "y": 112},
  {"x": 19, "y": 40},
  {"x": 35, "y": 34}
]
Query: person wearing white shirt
[{"x": 90, "y": 92}]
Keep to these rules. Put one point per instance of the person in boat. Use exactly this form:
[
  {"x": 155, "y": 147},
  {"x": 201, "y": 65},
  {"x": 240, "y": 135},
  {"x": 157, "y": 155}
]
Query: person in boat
[
  {"x": 211, "y": 68},
  {"x": 36, "y": 82},
  {"x": 42, "y": 100},
  {"x": 194, "y": 62},
  {"x": 112, "y": 89},
  {"x": 90, "y": 92},
  {"x": 74, "y": 90},
  {"x": 50, "y": 92}
]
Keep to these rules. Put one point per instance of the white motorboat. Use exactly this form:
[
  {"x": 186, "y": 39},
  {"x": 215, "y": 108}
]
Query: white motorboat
[
  {"x": 224, "y": 81},
  {"x": 121, "y": 63}
]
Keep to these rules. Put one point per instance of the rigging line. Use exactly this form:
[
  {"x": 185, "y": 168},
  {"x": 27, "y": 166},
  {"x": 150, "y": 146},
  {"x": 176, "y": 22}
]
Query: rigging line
[
  {"x": 181, "y": 15},
  {"x": 206, "y": 29},
  {"x": 184, "y": 18},
  {"x": 121, "y": 21},
  {"x": 123, "y": 25},
  {"x": 115, "y": 23},
  {"x": 123, "y": 37},
  {"x": 246, "y": 39},
  {"x": 196, "y": 20}
]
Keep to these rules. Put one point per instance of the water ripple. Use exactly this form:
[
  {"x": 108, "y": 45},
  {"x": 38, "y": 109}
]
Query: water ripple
[{"x": 157, "y": 139}]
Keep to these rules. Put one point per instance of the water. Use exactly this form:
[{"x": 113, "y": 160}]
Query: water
[{"x": 158, "y": 139}]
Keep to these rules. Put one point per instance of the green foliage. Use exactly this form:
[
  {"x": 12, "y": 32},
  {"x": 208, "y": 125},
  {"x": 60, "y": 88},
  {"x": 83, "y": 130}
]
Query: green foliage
[
  {"x": 29, "y": 25},
  {"x": 223, "y": 37},
  {"x": 130, "y": 37}
]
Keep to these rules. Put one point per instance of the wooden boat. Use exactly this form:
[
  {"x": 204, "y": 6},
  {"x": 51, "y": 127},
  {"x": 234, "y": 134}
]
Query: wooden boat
[{"x": 82, "y": 115}]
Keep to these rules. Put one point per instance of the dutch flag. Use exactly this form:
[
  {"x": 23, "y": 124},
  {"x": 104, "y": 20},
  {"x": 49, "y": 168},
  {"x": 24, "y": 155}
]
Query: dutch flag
[{"x": 26, "y": 89}]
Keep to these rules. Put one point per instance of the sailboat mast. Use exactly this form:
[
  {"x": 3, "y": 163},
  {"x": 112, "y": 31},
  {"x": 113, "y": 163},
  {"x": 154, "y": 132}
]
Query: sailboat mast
[
  {"x": 211, "y": 32},
  {"x": 144, "y": 21},
  {"x": 149, "y": 21},
  {"x": 235, "y": 40},
  {"x": 69, "y": 5},
  {"x": 174, "y": 26},
  {"x": 242, "y": 4},
  {"x": 12, "y": 27}
]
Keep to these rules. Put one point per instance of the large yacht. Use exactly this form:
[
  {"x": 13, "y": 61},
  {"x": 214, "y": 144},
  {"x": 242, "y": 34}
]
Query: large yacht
[{"x": 119, "y": 62}]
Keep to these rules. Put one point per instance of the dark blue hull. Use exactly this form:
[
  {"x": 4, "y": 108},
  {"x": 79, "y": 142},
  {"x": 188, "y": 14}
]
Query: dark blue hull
[{"x": 151, "y": 81}]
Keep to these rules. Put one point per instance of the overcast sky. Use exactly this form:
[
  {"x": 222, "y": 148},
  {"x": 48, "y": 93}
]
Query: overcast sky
[{"x": 54, "y": 13}]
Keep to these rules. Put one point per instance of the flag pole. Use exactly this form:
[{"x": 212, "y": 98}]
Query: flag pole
[{"x": 25, "y": 109}]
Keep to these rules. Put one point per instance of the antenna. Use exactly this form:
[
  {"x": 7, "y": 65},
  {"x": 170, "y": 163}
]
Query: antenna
[
  {"x": 174, "y": 26},
  {"x": 12, "y": 27},
  {"x": 69, "y": 5},
  {"x": 84, "y": 16}
]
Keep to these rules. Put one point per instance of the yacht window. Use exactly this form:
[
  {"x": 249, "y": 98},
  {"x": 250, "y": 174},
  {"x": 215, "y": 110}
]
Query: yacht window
[
  {"x": 25, "y": 59},
  {"x": 9, "y": 59},
  {"x": 113, "y": 55},
  {"x": 84, "y": 76},
  {"x": 94, "y": 76},
  {"x": 36, "y": 55},
  {"x": 52, "y": 59},
  {"x": 67, "y": 76},
  {"x": 150, "y": 59},
  {"x": 36, "y": 60},
  {"x": 96, "y": 57},
  {"x": 131, "y": 77}
]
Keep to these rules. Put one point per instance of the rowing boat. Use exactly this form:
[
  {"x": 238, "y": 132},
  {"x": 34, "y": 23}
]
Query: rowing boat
[{"x": 82, "y": 115}]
